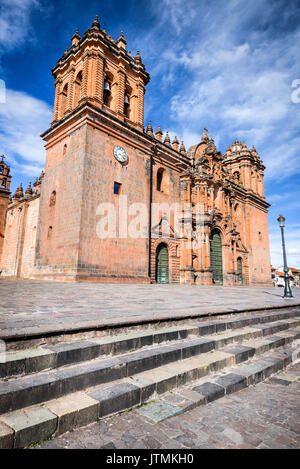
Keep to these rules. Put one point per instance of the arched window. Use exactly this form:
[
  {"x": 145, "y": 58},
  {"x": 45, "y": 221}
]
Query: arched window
[
  {"x": 127, "y": 103},
  {"x": 64, "y": 97},
  {"x": 52, "y": 200},
  {"x": 161, "y": 182},
  {"x": 1, "y": 169},
  {"x": 107, "y": 90},
  {"x": 237, "y": 212},
  {"x": 236, "y": 177},
  {"x": 65, "y": 150},
  {"x": 3, "y": 183},
  {"x": 78, "y": 89}
]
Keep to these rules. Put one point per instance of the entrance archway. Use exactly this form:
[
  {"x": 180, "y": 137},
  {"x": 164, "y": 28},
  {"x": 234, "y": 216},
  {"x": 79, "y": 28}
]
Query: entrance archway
[
  {"x": 216, "y": 262},
  {"x": 162, "y": 264},
  {"x": 240, "y": 270}
]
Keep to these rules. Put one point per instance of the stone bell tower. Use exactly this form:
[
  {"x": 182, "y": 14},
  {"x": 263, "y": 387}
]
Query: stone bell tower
[
  {"x": 98, "y": 110},
  {"x": 98, "y": 70},
  {"x": 5, "y": 179}
]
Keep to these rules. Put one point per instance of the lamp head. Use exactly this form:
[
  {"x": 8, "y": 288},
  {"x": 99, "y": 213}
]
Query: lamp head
[{"x": 281, "y": 221}]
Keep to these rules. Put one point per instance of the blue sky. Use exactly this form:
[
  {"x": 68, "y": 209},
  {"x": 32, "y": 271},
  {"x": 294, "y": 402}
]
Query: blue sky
[{"x": 228, "y": 65}]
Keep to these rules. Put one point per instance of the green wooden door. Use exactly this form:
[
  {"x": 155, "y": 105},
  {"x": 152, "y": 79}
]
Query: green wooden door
[
  {"x": 240, "y": 270},
  {"x": 162, "y": 264},
  {"x": 216, "y": 257}
]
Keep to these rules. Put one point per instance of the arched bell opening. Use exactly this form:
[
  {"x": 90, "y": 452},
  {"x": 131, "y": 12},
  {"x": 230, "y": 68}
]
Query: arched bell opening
[
  {"x": 64, "y": 98},
  {"x": 127, "y": 101},
  {"x": 107, "y": 90},
  {"x": 78, "y": 89}
]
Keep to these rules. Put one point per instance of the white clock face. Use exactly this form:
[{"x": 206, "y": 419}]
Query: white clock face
[{"x": 120, "y": 154}]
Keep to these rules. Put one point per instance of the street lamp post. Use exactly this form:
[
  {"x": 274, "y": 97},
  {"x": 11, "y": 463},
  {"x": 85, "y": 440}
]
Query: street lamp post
[{"x": 287, "y": 288}]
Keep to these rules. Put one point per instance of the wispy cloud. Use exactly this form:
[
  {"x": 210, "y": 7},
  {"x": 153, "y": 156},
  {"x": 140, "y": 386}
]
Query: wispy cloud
[
  {"x": 15, "y": 22},
  {"x": 22, "y": 119},
  {"x": 229, "y": 68},
  {"x": 292, "y": 240}
]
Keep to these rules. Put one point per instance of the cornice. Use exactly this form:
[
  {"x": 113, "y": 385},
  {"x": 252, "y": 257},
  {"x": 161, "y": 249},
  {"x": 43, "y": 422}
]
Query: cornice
[
  {"x": 22, "y": 201},
  {"x": 96, "y": 38},
  {"x": 90, "y": 112}
]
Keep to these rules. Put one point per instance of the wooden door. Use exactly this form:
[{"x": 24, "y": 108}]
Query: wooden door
[
  {"x": 162, "y": 264},
  {"x": 216, "y": 262}
]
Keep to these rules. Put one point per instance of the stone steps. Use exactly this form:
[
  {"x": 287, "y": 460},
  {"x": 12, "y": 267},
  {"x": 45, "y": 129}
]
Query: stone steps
[
  {"x": 16, "y": 393},
  {"x": 28, "y": 361},
  {"x": 73, "y": 396}
]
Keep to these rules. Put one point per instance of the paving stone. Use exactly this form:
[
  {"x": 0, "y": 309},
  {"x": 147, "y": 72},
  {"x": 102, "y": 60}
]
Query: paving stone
[
  {"x": 23, "y": 392},
  {"x": 192, "y": 396},
  {"x": 244, "y": 416},
  {"x": 163, "y": 336},
  {"x": 283, "y": 382},
  {"x": 74, "y": 410},
  {"x": 241, "y": 352},
  {"x": 75, "y": 352},
  {"x": 232, "y": 382},
  {"x": 288, "y": 376},
  {"x": 6, "y": 436},
  {"x": 116, "y": 398},
  {"x": 159, "y": 411},
  {"x": 181, "y": 402},
  {"x": 91, "y": 374},
  {"x": 147, "y": 386},
  {"x": 144, "y": 360},
  {"x": 211, "y": 391},
  {"x": 109, "y": 445},
  {"x": 30, "y": 425},
  {"x": 27, "y": 361},
  {"x": 208, "y": 328},
  {"x": 62, "y": 306},
  {"x": 164, "y": 380},
  {"x": 254, "y": 372}
]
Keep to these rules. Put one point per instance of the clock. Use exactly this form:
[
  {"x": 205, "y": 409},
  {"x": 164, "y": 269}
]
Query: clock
[{"x": 120, "y": 154}]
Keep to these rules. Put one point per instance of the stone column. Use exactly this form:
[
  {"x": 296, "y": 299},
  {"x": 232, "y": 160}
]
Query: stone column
[
  {"x": 207, "y": 247},
  {"x": 140, "y": 107},
  {"x": 121, "y": 92},
  {"x": 99, "y": 78},
  {"x": 57, "y": 85},
  {"x": 71, "y": 74},
  {"x": 260, "y": 184},
  {"x": 186, "y": 260},
  {"x": 205, "y": 198},
  {"x": 85, "y": 78},
  {"x": 211, "y": 197}
]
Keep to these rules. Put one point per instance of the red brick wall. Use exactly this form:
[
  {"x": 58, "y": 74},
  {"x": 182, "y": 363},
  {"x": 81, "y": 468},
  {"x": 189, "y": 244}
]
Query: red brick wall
[
  {"x": 258, "y": 246},
  {"x": 116, "y": 258},
  {"x": 57, "y": 248}
]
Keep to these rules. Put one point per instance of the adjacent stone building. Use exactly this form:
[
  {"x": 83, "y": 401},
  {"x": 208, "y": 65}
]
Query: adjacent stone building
[{"x": 98, "y": 152}]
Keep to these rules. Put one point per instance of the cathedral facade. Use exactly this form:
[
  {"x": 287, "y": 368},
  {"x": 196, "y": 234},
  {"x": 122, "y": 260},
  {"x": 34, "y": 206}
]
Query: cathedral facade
[{"x": 98, "y": 154}]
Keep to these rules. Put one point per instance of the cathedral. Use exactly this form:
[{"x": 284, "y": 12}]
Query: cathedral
[{"x": 99, "y": 152}]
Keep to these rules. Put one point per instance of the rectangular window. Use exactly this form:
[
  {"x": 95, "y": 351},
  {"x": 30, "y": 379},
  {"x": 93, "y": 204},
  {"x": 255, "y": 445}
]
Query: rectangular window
[{"x": 117, "y": 188}]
